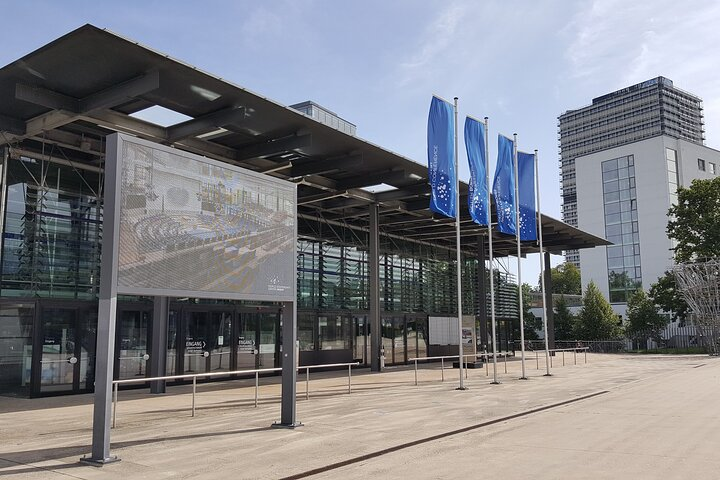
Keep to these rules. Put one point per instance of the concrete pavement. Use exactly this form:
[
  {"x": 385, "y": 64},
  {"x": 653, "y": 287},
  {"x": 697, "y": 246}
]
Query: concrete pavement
[{"x": 650, "y": 417}]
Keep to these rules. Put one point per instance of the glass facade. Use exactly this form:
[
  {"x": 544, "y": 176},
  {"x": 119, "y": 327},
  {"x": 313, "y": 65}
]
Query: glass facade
[
  {"x": 621, "y": 228},
  {"x": 49, "y": 283},
  {"x": 52, "y": 232}
]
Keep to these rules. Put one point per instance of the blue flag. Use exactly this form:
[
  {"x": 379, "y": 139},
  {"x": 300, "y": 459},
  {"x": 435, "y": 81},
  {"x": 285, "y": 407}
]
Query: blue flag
[
  {"x": 441, "y": 157},
  {"x": 504, "y": 186},
  {"x": 526, "y": 194},
  {"x": 475, "y": 146}
]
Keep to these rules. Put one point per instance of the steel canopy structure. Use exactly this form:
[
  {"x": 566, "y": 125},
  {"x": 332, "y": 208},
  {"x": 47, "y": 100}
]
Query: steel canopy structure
[{"x": 90, "y": 83}]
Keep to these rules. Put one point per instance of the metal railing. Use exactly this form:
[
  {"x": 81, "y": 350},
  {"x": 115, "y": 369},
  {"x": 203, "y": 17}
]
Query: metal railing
[
  {"x": 195, "y": 376},
  {"x": 487, "y": 356}
]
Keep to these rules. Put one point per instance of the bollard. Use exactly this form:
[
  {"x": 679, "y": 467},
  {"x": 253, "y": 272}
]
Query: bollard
[
  {"x": 442, "y": 369},
  {"x": 349, "y": 377},
  {"x": 464, "y": 358},
  {"x": 307, "y": 383},
  {"x": 115, "y": 396},
  {"x": 193, "y": 395},
  {"x": 416, "y": 372},
  {"x": 563, "y": 357},
  {"x": 505, "y": 362},
  {"x": 575, "y": 356},
  {"x": 586, "y": 349},
  {"x": 487, "y": 367},
  {"x": 551, "y": 360},
  {"x": 257, "y": 384},
  {"x": 537, "y": 361}
]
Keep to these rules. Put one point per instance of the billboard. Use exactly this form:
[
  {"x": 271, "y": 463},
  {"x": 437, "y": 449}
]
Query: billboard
[{"x": 186, "y": 225}]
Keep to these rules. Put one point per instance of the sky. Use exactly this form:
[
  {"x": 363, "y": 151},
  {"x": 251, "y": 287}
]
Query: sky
[{"x": 376, "y": 63}]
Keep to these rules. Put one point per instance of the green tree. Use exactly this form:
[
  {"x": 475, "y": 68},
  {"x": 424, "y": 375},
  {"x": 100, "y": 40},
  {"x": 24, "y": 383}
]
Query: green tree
[
  {"x": 694, "y": 223},
  {"x": 643, "y": 319},
  {"x": 565, "y": 279},
  {"x": 532, "y": 323},
  {"x": 564, "y": 320},
  {"x": 596, "y": 320},
  {"x": 665, "y": 294}
]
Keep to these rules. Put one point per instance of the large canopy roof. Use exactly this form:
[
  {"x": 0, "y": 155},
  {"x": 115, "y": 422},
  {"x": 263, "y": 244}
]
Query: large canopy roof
[{"x": 74, "y": 91}]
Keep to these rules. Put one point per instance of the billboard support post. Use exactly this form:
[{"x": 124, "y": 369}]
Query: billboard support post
[
  {"x": 107, "y": 308},
  {"x": 289, "y": 368},
  {"x": 176, "y": 224}
]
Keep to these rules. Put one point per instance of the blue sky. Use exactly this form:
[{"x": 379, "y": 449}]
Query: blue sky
[{"x": 376, "y": 63}]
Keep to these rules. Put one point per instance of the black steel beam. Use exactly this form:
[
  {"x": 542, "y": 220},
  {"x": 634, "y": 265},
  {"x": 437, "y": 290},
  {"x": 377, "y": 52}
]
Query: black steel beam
[
  {"x": 274, "y": 147},
  {"x": 205, "y": 123}
]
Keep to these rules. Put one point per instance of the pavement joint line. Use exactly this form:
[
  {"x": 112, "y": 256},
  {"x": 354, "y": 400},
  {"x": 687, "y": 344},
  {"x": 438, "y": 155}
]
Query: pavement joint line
[{"x": 402, "y": 446}]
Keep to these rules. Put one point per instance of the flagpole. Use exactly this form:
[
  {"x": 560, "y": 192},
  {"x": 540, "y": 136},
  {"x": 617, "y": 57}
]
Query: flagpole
[
  {"x": 490, "y": 244},
  {"x": 457, "y": 250},
  {"x": 519, "y": 274},
  {"x": 542, "y": 277}
]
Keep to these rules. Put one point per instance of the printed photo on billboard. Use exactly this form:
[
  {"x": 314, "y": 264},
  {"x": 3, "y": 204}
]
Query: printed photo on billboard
[{"x": 192, "y": 226}]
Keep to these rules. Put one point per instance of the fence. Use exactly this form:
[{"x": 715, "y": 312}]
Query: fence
[{"x": 257, "y": 372}]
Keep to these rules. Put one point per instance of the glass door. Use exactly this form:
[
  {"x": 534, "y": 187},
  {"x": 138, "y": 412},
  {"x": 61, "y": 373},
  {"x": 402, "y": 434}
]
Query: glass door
[
  {"x": 59, "y": 358},
  {"x": 16, "y": 343},
  {"x": 220, "y": 341},
  {"x": 246, "y": 348},
  {"x": 360, "y": 339},
  {"x": 269, "y": 333},
  {"x": 133, "y": 338},
  {"x": 195, "y": 358}
]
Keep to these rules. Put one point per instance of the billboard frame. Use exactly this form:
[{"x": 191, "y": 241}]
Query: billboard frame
[{"x": 109, "y": 289}]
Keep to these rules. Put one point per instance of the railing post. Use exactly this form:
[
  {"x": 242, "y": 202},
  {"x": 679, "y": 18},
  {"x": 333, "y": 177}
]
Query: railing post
[
  {"x": 416, "y": 372},
  {"x": 349, "y": 377},
  {"x": 551, "y": 359},
  {"x": 115, "y": 399},
  {"x": 257, "y": 385},
  {"x": 586, "y": 349},
  {"x": 307, "y": 383},
  {"x": 575, "y": 356},
  {"x": 442, "y": 369},
  {"x": 487, "y": 366},
  {"x": 537, "y": 361},
  {"x": 505, "y": 362},
  {"x": 563, "y": 352},
  {"x": 193, "y": 395}
]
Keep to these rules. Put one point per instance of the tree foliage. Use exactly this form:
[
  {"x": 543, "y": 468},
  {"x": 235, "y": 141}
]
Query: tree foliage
[
  {"x": 565, "y": 279},
  {"x": 564, "y": 321},
  {"x": 531, "y": 322},
  {"x": 694, "y": 223},
  {"x": 643, "y": 318},
  {"x": 665, "y": 294},
  {"x": 596, "y": 320}
]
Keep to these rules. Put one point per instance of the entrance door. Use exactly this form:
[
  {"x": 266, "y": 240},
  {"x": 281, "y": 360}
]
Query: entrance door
[
  {"x": 247, "y": 347},
  {"x": 269, "y": 340},
  {"x": 220, "y": 341},
  {"x": 195, "y": 341},
  {"x": 132, "y": 352},
  {"x": 67, "y": 354},
  {"x": 360, "y": 339}
]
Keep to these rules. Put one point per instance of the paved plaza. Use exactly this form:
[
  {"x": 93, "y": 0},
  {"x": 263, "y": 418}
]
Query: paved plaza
[{"x": 618, "y": 416}]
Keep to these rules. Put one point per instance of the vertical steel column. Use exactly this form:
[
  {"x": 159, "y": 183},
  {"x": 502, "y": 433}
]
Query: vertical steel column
[
  {"x": 288, "y": 408},
  {"x": 374, "y": 283},
  {"x": 158, "y": 354},
  {"x": 549, "y": 313},
  {"x": 107, "y": 310},
  {"x": 482, "y": 293}
]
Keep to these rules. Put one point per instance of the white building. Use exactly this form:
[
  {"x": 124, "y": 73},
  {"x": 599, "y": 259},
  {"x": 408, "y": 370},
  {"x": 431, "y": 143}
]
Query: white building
[{"x": 623, "y": 194}]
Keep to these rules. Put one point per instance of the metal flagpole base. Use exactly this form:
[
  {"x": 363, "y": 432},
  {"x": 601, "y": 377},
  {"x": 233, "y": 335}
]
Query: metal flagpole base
[
  {"x": 494, "y": 383},
  {"x": 547, "y": 375},
  {"x": 286, "y": 425},
  {"x": 461, "y": 388},
  {"x": 95, "y": 462},
  {"x": 523, "y": 378}
]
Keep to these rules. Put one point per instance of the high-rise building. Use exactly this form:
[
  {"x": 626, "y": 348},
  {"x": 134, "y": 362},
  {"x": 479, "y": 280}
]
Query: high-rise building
[
  {"x": 649, "y": 109},
  {"x": 622, "y": 160}
]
